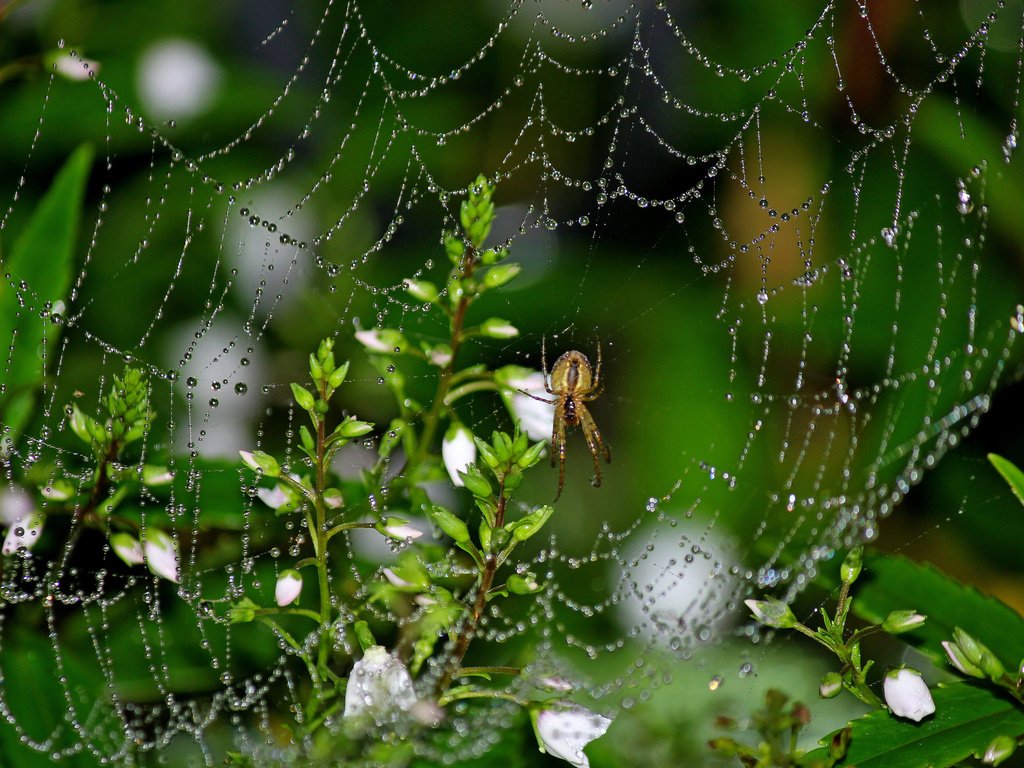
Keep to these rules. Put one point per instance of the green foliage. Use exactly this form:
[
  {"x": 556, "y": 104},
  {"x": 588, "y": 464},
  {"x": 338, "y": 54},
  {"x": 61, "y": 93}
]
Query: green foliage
[
  {"x": 968, "y": 718},
  {"x": 34, "y": 290},
  {"x": 891, "y": 581}
]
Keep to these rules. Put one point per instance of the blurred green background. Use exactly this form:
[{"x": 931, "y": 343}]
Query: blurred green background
[{"x": 290, "y": 113}]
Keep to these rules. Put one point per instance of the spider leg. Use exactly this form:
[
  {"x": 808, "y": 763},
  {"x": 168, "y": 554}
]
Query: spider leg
[
  {"x": 542, "y": 399},
  {"x": 558, "y": 445},
  {"x": 594, "y": 441},
  {"x": 544, "y": 363},
  {"x": 596, "y": 387}
]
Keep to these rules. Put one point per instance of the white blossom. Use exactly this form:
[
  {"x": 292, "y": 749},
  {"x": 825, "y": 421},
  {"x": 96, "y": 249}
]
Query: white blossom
[
  {"x": 536, "y": 417},
  {"x": 177, "y": 79},
  {"x": 288, "y": 587},
  {"x": 275, "y": 497},
  {"x": 401, "y": 531},
  {"x": 458, "y": 450},
  {"x": 128, "y": 548},
  {"x": 395, "y": 579},
  {"x": 379, "y": 685},
  {"x": 15, "y": 505},
  {"x": 161, "y": 553},
  {"x": 565, "y": 732},
  {"x": 23, "y": 534},
  {"x": 372, "y": 340},
  {"x": 907, "y": 695},
  {"x": 75, "y": 67}
]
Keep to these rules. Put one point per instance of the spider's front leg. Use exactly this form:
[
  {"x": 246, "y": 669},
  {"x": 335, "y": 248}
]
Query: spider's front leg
[{"x": 542, "y": 399}]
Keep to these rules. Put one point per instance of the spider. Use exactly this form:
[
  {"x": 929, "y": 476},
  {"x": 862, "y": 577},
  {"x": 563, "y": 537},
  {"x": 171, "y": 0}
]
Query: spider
[{"x": 573, "y": 383}]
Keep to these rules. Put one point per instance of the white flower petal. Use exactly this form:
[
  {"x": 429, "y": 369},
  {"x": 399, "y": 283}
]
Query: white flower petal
[
  {"x": 15, "y": 505},
  {"x": 402, "y": 532},
  {"x": 535, "y": 416},
  {"x": 23, "y": 534},
  {"x": 128, "y": 548},
  {"x": 372, "y": 340},
  {"x": 74, "y": 67},
  {"x": 275, "y": 498},
  {"x": 379, "y": 685},
  {"x": 458, "y": 450},
  {"x": 161, "y": 552},
  {"x": 565, "y": 732},
  {"x": 288, "y": 587},
  {"x": 395, "y": 579},
  {"x": 907, "y": 694}
]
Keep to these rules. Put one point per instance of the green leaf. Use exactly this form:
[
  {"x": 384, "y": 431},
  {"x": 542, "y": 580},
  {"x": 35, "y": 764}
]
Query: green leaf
[
  {"x": 967, "y": 718},
  {"x": 1011, "y": 474},
  {"x": 41, "y": 261},
  {"x": 890, "y": 583}
]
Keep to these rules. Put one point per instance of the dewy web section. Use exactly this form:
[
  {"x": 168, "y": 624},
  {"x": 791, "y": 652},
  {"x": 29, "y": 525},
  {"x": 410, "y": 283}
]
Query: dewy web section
[{"x": 792, "y": 242}]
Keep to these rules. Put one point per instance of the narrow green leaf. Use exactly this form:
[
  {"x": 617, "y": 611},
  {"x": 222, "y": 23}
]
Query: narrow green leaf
[
  {"x": 38, "y": 272},
  {"x": 967, "y": 717},
  {"x": 1011, "y": 474},
  {"x": 890, "y": 583}
]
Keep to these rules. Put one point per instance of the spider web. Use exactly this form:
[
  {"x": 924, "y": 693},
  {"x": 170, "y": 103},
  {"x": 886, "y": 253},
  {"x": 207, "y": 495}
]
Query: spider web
[{"x": 798, "y": 279}]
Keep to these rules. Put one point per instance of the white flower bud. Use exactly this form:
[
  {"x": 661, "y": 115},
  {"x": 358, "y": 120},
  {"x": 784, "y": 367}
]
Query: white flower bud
[
  {"x": 563, "y": 733},
  {"x": 536, "y": 417},
  {"x": 288, "y": 587},
  {"x": 399, "y": 530},
  {"x": 772, "y": 613},
  {"x": 161, "y": 552},
  {"x": 379, "y": 685},
  {"x": 458, "y": 450},
  {"x": 907, "y": 695},
  {"x": 128, "y": 548}
]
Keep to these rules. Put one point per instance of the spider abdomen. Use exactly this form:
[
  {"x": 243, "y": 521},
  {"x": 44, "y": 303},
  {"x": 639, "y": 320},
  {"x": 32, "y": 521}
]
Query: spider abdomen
[{"x": 571, "y": 417}]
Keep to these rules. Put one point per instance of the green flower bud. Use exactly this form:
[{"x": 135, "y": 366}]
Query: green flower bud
[
  {"x": 475, "y": 481},
  {"x": 830, "y": 686},
  {"x": 959, "y": 659},
  {"x": 850, "y": 569},
  {"x": 496, "y": 328},
  {"x": 495, "y": 277},
  {"x": 243, "y": 611},
  {"x": 902, "y": 621},
  {"x": 532, "y": 455},
  {"x": 526, "y": 584},
  {"x": 450, "y": 524},
  {"x": 338, "y": 375},
  {"x": 422, "y": 290},
  {"x": 772, "y": 613},
  {"x": 303, "y": 397},
  {"x": 487, "y": 453},
  {"x": 999, "y": 749},
  {"x": 315, "y": 371},
  {"x": 261, "y": 462},
  {"x": 526, "y": 527},
  {"x": 352, "y": 427}
]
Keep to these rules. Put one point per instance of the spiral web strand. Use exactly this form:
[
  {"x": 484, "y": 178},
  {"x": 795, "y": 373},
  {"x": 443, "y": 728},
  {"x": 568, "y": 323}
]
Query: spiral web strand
[{"x": 684, "y": 175}]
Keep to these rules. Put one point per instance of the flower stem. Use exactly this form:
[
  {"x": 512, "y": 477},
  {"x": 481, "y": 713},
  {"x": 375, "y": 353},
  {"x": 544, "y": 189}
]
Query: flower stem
[
  {"x": 472, "y": 621},
  {"x": 444, "y": 382}
]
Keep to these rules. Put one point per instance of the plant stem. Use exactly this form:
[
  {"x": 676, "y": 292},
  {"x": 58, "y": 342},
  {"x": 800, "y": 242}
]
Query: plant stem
[
  {"x": 472, "y": 621},
  {"x": 444, "y": 382}
]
